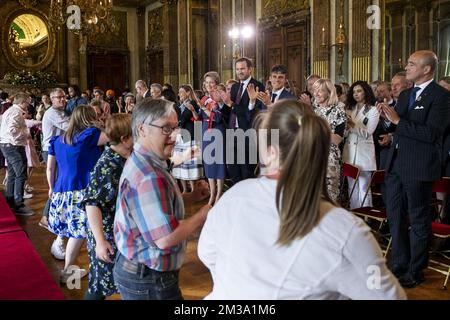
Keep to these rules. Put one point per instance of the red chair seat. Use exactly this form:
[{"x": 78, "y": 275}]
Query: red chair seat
[
  {"x": 440, "y": 229},
  {"x": 371, "y": 212}
]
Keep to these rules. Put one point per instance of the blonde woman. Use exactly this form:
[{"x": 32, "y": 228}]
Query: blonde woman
[
  {"x": 213, "y": 129},
  {"x": 284, "y": 238},
  {"x": 359, "y": 149},
  {"x": 326, "y": 105},
  {"x": 75, "y": 154}
]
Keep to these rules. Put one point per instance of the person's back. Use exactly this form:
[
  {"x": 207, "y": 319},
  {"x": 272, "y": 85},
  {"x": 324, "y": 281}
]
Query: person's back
[
  {"x": 337, "y": 259},
  {"x": 280, "y": 236},
  {"x": 76, "y": 161}
]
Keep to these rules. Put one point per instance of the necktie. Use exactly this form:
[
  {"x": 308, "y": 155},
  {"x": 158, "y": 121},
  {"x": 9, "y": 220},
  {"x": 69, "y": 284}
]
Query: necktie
[
  {"x": 274, "y": 96},
  {"x": 412, "y": 97},
  {"x": 239, "y": 94}
]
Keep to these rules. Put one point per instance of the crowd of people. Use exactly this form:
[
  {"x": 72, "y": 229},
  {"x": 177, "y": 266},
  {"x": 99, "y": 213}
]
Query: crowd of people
[{"x": 120, "y": 174}]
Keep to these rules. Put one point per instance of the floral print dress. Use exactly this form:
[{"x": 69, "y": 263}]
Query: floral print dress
[
  {"x": 336, "y": 117},
  {"x": 102, "y": 193}
]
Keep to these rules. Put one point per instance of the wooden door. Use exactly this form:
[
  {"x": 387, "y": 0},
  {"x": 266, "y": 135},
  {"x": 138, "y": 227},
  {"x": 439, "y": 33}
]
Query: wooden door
[
  {"x": 155, "y": 67},
  {"x": 286, "y": 45},
  {"x": 108, "y": 71}
]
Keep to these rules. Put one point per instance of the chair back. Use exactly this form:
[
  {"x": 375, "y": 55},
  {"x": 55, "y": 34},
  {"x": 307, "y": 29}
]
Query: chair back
[
  {"x": 350, "y": 171},
  {"x": 442, "y": 185},
  {"x": 377, "y": 179}
]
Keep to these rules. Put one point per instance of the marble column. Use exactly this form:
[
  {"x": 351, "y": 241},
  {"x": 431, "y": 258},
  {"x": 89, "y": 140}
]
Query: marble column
[
  {"x": 170, "y": 42},
  {"x": 73, "y": 58}
]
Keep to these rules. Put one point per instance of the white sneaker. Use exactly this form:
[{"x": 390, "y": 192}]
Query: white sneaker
[
  {"x": 58, "y": 250},
  {"x": 27, "y": 195},
  {"x": 79, "y": 273}
]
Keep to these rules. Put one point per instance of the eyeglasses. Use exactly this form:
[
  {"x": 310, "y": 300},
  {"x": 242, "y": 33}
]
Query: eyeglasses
[
  {"x": 166, "y": 130},
  {"x": 58, "y": 97}
]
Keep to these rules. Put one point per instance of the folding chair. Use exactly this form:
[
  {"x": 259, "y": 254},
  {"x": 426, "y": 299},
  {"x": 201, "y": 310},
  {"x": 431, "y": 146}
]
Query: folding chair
[
  {"x": 441, "y": 231},
  {"x": 349, "y": 171},
  {"x": 373, "y": 212},
  {"x": 443, "y": 186}
]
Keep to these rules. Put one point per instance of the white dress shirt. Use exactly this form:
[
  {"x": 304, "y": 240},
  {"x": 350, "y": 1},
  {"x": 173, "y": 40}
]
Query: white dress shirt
[
  {"x": 54, "y": 123},
  {"x": 250, "y": 105},
  {"x": 422, "y": 87},
  {"x": 13, "y": 129},
  {"x": 338, "y": 259}
]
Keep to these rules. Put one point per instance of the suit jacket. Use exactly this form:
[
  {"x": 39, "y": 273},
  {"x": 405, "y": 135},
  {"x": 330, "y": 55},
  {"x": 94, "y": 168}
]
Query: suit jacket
[
  {"x": 185, "y": 118},
  {"x": 359, "y": 148},
  {"x": 381, "y": 151},
  {"x": 147, "y": 94},
  {"x": 286, "y": 95},
  {"x": 244, "y": 116},
  {"x": 419, "y": 133},
  {"x": 446, "y": 150}
]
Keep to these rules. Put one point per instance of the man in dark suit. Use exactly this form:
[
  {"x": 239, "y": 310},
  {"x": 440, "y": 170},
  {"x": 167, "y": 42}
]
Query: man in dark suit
[
  {"x": 413, "y": 163},
  {"x": 278, "y": 79},
  {"x": 445, "y": 83},
  {"x": 142, "y": 90},
  {"x": 242, "y": 115}
]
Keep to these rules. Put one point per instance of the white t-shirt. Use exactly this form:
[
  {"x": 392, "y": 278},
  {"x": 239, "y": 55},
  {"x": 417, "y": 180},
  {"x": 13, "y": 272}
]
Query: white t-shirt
[
  {"x": 54, "y": 123},
  {"x": 338, "y": 259}
]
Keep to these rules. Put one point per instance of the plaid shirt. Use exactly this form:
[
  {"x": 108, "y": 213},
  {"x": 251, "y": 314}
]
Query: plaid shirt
[{"x": 149, "y": 206}]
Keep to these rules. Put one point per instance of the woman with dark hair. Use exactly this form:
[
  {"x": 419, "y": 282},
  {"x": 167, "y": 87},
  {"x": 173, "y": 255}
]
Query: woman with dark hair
[
  {"x": 188, "y": 109},
  {"x": 359, "y": 149},
  {"x": 75, "y": 154},
  {"x": 284, "y": 238}
]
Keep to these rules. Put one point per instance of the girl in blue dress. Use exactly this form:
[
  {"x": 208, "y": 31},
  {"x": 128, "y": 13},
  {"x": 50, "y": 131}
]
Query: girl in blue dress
[{"x": 75, "y": 154}]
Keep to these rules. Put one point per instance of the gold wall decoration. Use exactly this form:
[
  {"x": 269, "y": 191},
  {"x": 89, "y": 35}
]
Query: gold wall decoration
[
  {"x": 272, "y": 7},
  {"x": 155, "y": 29},
  {"x": 321, "y": 37},
  {"x": 112, "y": 39},
  {"x": 362, "y": 42},
  {"x": 24, "y": 59}
]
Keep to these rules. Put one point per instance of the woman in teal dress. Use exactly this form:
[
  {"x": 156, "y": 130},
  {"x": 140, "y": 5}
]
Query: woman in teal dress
[{"x": 100, "y": 202}]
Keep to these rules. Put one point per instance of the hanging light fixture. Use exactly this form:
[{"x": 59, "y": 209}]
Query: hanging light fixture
[
  {"x": 87, "y": 18},
  {"x": 28, "y": 3}
]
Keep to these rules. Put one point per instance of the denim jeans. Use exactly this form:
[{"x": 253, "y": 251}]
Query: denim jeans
[
  {"x": 136, "y": 281},
  {"x": 16, "y": 159}
]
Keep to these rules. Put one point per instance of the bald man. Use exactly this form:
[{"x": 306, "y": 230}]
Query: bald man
[{"x": 413, "y": 163}]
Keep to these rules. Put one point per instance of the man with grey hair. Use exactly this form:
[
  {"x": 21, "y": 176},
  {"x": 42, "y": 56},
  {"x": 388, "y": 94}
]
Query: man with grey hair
[
  {"x": 155, "y": 90},
  {"x": 13, "y": 139},
  {"x": 304, "y": 97},
  {"x": 149, "y": 227},
  {"x": 413, "y": 163},
  {"x": 142, "y": 90},
  {"x": 54, "y": 123}
]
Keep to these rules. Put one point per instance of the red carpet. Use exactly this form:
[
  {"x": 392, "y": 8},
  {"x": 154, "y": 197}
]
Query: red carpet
[{"x": 23, "y": 275}]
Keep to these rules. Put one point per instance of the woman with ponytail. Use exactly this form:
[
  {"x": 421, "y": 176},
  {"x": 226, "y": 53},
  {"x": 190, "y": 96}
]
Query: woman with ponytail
[{"x": 280, "y": 236}]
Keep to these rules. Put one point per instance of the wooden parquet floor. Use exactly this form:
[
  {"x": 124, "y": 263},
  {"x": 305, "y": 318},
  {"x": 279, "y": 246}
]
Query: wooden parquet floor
[{"x": 195, "y": 280}]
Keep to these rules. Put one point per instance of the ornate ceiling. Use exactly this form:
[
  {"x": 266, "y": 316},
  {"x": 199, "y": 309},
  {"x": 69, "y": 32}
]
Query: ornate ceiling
[{"x": 31, "y": 29}]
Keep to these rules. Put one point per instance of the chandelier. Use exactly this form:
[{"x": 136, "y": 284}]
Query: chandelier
[
  {"x": 14, "y": 44},
  {"x": 28, "y": 3},
  {"x": 87, "y": 18}
]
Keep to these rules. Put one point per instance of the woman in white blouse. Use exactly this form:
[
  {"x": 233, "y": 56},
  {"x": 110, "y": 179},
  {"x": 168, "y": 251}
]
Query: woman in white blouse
[
  {"x": 359, "y": 149},
  {"x": 279, "y": 236}
]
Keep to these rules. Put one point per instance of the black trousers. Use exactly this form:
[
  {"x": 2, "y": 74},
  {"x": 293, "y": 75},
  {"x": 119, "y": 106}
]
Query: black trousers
[
  {"x": 409, "y": 217},
  {"x": 240, "y": 170}
]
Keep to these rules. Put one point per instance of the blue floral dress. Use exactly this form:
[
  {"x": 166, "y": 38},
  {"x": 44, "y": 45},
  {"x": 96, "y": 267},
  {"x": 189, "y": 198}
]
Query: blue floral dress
[
  {"x": 67, "y": 217},
  {"x": 102, "y": 193}
]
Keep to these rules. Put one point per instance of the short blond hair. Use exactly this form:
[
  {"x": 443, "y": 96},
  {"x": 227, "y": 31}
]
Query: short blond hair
[{"x": 326, "y": 84}]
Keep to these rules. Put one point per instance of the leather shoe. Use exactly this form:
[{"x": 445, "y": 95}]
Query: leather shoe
[
  {"x": 398, "y": 272},
  {"x": 412, "y": 280}
]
